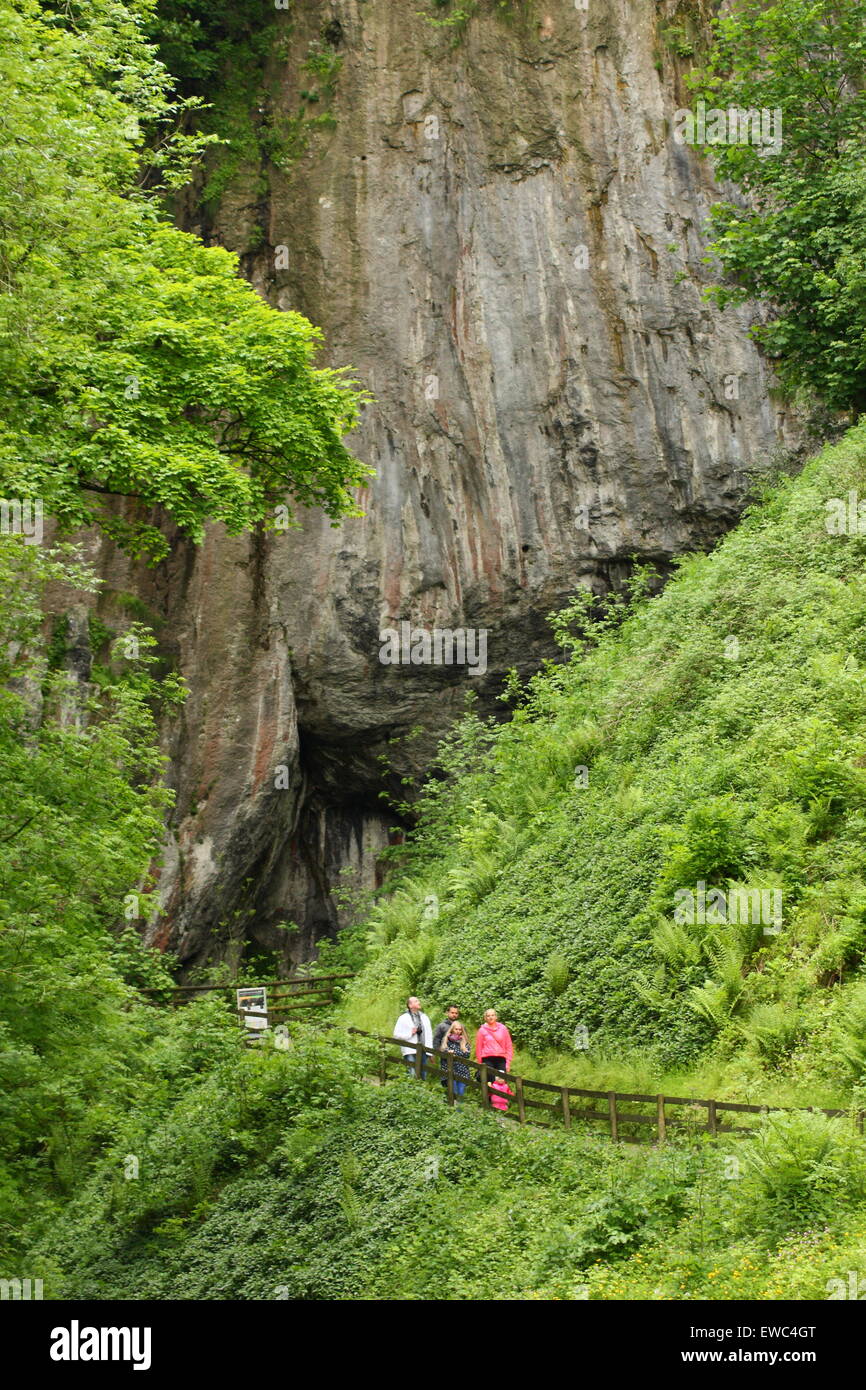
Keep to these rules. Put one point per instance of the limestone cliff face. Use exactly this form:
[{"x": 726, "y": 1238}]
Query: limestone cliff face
[{"x": 505, "y": 242}]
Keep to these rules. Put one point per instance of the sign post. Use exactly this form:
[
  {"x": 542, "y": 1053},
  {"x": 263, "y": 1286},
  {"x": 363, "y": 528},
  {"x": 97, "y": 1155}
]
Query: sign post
[{"x": 253, "y": 1007}]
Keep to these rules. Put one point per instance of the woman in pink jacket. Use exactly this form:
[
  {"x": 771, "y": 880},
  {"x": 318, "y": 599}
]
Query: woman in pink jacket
[{"x": 493, "y": 1043}]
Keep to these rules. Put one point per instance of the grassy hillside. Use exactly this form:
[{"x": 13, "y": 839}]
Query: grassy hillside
[{"x": 713, "y": 735}]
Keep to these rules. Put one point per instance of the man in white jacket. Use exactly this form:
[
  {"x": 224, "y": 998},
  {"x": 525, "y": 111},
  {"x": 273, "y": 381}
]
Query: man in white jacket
[{"x": 414, "y": 1026}]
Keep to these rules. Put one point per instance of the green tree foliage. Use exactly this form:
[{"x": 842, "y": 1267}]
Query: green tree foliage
[
  {"x": 143, "y": 383},
  {"x": 799, "y": 241},
  {"x": 80, "y": 819},
  {"x": 196, "y": 37},
  {"x": 136, "y": 363}
]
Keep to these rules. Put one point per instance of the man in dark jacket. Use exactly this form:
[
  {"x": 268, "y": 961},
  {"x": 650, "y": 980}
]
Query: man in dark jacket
[{"x": 452, "y": 1013}]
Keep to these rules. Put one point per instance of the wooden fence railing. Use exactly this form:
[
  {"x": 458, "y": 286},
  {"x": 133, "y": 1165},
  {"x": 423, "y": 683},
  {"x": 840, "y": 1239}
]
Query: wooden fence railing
[
  {"x": 567, "y": 1104},
  {"x": 285, "y": 997}
]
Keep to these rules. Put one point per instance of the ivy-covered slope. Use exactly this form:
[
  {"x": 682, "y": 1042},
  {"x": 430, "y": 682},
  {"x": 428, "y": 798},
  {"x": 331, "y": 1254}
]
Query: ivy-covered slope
[
  {"x": 284, "y": 1176},
  {"x": 715, "y": 735}
]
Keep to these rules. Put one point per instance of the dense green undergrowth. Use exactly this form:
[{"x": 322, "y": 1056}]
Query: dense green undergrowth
[
  {"x": 285, "y": 1176},
  {"x": 715, "y": 735}
]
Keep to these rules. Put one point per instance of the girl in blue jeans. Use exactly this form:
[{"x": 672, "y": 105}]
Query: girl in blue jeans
[{"x": 457, "y": 1043}]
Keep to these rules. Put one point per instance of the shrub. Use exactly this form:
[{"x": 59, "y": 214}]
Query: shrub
[{"x": 799, "y": 1166}]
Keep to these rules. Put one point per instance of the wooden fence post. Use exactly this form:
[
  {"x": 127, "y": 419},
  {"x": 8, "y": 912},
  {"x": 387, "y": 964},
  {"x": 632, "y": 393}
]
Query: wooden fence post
[
  {"x": 611, "y": 1105},
  {"x": 419, "y": 1054},
  {"x": 861, "y": 1115},
  {"x": 521, "y": 1105},
  {"x": 485, "y": 1090},
  {"x": 660, "y": 1111},
  {"x": 450, "y": 1078},
  {"x": 566, "y": 1107},
  {"x": 382, "y": 1064},
  {"x": 712, "y": 1123}
]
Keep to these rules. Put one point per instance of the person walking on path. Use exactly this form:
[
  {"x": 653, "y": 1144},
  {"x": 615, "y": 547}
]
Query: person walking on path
[
  {"x": 414, "y": 1027},
  {"x": 456, "y": 1043},
  {"x": 493, "y": 1043},
  {"x": 452, "y": 1013}
]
